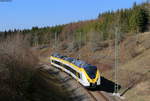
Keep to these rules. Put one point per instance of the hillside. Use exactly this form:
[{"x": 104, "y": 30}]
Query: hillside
[
  {"x": 133, "y": 74},
  {"x": 138, "y": 71},
  {"x": 134, "y": 65}
]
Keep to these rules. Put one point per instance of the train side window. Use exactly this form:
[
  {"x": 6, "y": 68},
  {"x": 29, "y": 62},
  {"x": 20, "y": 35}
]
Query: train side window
[
  {"x": 70, "y": 69},
  {"x": 56, "y": 62},
  {"x": 53, "y": 61}
]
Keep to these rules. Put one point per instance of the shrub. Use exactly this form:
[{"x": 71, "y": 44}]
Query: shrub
[{"x": 17, "y": 67}]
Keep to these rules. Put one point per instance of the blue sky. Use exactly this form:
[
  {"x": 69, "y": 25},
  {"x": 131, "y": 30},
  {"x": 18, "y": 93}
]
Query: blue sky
[{"x": 23, "y": 14}]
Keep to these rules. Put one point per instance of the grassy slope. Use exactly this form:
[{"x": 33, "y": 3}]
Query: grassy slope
[
  {"x": 139, "y": 68},
  {"x": 135, "y": 69}
]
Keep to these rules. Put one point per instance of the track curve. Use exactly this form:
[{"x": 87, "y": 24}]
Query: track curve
[{"x": 90, "y": 95}]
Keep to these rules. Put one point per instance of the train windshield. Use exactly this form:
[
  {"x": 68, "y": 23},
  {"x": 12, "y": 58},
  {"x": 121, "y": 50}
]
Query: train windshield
[{"x": 91, "y": 71}]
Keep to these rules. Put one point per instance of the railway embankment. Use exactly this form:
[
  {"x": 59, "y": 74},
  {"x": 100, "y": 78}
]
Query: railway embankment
[{"x": 76, "y": 90}]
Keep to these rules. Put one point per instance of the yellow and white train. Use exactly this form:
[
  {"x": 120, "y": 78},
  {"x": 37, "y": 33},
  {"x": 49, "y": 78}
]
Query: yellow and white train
[{"x": 87, "y": 74}]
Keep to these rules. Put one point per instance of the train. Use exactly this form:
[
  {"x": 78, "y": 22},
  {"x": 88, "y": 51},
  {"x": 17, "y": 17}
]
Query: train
[{"x": 86, "y": 74}]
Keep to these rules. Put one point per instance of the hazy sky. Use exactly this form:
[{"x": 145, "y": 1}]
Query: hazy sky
[{"x": 22, "y": 14}]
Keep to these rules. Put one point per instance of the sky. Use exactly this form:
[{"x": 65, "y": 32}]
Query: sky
[{"x": 24, "y": 14}]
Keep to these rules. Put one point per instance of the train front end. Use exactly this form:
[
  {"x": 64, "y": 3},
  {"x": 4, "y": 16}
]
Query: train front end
[{"x": 92, "y": 76}]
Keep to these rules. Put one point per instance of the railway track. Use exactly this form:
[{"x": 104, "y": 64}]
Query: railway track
[
  {"x": 102, "y": 96},
  {"x": 95, "y": 95},
  {"x": 94, "y": 98}
]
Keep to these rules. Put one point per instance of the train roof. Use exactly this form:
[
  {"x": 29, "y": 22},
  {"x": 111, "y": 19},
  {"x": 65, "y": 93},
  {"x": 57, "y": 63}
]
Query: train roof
[{"x": 77, "y": 62}]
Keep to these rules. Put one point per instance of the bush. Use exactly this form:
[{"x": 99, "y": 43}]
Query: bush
[
  {"x": 20, "y": 79},
  {"x": 17, "y": 67}
]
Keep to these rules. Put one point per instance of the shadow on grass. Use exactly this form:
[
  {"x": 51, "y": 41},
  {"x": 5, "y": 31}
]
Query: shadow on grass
[{"x": 107, "y": 85}]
